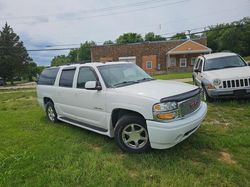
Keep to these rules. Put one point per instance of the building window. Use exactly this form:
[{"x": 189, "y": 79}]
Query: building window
[
  {"x": 193, "y": 61},
  {"x": 128, "y": 59},
  {"x": 172, "y": 61},
  {"x": 149, "y": 64},
  {"x": 183, "y": 62}
]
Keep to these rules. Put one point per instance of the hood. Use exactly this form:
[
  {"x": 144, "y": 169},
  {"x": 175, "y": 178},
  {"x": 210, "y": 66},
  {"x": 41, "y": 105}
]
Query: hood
[
  {"x": 229, "y": 73},
  {"x": 156, "y": 89}
]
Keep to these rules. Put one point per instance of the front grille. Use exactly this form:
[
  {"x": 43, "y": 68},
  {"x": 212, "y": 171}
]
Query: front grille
[
  {"x": 190, "y": 105},
  {"x": 238, "y": 83}
]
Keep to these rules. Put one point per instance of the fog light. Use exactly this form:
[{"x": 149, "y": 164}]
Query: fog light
[{"x": 166, "y": 116}]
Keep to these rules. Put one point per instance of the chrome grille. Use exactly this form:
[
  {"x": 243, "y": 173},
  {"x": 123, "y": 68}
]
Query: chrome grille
[
  {"x": 238, "y": 83},
  {"x": 190, "y": 105}
]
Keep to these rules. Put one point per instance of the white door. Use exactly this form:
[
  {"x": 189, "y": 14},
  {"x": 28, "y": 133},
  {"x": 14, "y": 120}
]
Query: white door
[
  {"x": 89, "y": 105},
  {"x": 198, "y": 72}
]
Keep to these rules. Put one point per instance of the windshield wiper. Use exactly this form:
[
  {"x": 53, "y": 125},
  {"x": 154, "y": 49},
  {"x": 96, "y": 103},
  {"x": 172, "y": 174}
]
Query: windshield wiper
[
  {"x": 145, "y": 79},
  {"x": 212, "y": 69},
  {"x": 125, "y": 83},
  {"x": 232, "y": 66}
]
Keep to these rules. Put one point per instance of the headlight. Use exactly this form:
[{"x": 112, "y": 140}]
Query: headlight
[
  {"x": 163, "y": 107},
  {"x": 216, "y": 82},
  {"x": 165, "y": 111}
]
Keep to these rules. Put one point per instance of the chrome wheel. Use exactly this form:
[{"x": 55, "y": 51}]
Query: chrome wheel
[
  {"x": 51, "y": 113},
  {"x": 135, "y": 136}
]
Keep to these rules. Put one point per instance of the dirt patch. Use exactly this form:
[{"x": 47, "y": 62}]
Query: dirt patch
[
  {"x": 96, "y": 147},
  {"x": 133, "y": 174},
  {"x": 226, "y": 157},
  {"x": 222, "y": 123}
]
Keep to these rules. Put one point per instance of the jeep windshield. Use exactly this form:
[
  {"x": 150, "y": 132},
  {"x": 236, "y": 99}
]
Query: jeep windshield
[
  {"x": 224, "y": 62},
  {"x": 118, "y": 75}
]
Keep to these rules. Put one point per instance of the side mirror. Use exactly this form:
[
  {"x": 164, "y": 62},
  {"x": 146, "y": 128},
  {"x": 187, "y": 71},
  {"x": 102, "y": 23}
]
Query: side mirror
[
  {"x": 93, "y": 85},
  {"x": 197, "y": 71}
]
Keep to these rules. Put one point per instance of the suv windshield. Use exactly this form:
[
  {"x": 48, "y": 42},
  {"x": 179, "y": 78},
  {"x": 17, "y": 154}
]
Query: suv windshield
[
  {"x": 117, "y": 75},
  {"x": 224, "y": 62}
]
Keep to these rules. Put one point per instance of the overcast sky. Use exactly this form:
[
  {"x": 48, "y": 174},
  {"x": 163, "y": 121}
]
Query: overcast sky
[{"x": 55, "y": 22}]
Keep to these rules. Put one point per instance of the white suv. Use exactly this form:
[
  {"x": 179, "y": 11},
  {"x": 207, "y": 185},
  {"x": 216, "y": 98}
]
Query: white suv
[
  {"x": 120, "y": 100},
  {"x": 222, "y": 75}
]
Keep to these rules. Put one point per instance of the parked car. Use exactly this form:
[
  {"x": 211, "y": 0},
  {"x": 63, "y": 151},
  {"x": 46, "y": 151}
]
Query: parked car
[
  {"x": 2, "y": 83},
  {"x": 120, "y": 100},
  {"x": 222, "y": 75}
]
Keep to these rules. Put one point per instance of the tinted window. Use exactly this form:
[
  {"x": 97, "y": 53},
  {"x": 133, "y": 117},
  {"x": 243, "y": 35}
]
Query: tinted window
[
  {"x": 67, "y": 76},
  {"x": 85, "y": 75},
  {"x": 48, "y": 76}
]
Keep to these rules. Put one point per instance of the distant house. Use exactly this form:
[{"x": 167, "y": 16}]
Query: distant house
[{"x": 154, "y": 57}]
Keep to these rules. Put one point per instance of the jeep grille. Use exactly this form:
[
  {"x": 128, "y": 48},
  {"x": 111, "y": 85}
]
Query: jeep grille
[{"x": 237, "y": 83}]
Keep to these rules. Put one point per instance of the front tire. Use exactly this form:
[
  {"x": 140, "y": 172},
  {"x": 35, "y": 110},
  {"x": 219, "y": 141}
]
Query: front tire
[
  {"x": 51, "y": 112},
  {"x": 131, "y": 134},
  {"x": 204, "y": 95}
]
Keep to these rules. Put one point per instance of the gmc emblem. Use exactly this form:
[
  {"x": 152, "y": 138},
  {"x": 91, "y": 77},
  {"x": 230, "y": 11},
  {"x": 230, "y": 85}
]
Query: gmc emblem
[{"x": 194, "y": 104}]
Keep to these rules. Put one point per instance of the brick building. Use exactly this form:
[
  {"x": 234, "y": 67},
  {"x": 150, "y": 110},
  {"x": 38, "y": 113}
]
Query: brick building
[{"x": 154, "y": 57}]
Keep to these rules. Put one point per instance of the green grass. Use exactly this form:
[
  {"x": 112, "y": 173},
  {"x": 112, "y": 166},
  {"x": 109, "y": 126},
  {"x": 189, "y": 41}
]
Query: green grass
[
  {"x": 247, "y": 58},
  {"x": 35, "y": 152},
  {"x": 174, "y": 76}
]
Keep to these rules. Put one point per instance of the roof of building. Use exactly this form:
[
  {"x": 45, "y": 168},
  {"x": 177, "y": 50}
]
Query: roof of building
[
  {"x": 190, "y": 46},
  {"x": 218, "y": 55}
]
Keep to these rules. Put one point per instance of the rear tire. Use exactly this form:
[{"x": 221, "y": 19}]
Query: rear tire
[
  {"x": 51, "y": 112},
  {"x": 131, "y": 134}
]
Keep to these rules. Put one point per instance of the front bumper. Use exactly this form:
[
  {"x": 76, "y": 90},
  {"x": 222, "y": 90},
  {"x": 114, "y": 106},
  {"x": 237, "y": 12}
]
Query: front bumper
[
  {"x": 229, "y": 93},
  {"x": 164, "y": 135}
]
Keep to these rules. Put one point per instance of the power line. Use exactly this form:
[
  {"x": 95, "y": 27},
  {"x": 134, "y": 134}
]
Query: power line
[{"x": 105, "y": 9}]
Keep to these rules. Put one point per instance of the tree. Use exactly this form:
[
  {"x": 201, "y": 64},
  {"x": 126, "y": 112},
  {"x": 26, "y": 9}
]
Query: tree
[
  {"x": 84, "y": 52},
  {"x": 153, "y": 37},
  {"x": 13, "y": 55},
  {"x": 108, "y": 42},
  {"x": 31, "y": 71},
  {"x": 73, "y": 55},
  {"x": 129, "y": 38},
  {"x": 179, "y": 36},
  {"x": 232, "y": 36},
  {"x": 60, "y": 60}
]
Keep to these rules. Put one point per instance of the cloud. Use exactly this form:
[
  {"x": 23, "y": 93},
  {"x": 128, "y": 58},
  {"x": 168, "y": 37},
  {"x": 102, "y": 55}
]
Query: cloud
[{"x": 43, "y": 23}]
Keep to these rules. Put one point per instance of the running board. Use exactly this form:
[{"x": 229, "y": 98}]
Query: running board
[{"x": 83, "y": 124}]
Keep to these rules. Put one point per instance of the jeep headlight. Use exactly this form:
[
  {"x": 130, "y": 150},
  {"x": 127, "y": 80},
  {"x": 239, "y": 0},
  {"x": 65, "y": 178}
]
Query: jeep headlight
[
  {"x": 165, "y": 111},
  {"x": 216, "y": 82}
]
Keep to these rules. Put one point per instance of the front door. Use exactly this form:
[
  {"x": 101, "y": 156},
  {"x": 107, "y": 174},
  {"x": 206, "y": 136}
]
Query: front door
[{"x": 89, "y": 105}]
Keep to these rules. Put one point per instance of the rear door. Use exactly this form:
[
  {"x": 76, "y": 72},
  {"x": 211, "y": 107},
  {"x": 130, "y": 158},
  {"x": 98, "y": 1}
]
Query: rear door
[{"x": 65, "y": 92}]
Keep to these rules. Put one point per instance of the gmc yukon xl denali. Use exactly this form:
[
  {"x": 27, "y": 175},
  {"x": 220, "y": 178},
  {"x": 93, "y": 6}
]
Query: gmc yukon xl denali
[{"x": 120, "y": 100}]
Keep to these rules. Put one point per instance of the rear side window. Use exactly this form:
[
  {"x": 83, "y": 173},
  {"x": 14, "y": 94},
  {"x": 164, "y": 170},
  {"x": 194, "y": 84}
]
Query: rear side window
[
  {"x": 48, "y": 76},
  {"x": 66, "y": 79}
]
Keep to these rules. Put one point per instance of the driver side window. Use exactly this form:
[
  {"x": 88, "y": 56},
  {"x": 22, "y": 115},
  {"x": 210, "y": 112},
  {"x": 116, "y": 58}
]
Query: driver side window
[{"x": 85, "y": 74}]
